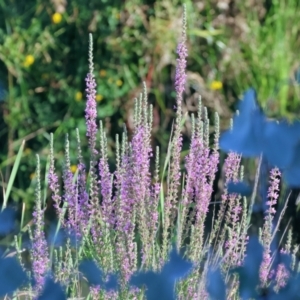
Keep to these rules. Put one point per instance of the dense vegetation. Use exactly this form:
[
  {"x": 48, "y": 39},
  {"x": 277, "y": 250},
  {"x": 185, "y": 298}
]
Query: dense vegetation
[{"x": 118, "y": 201}]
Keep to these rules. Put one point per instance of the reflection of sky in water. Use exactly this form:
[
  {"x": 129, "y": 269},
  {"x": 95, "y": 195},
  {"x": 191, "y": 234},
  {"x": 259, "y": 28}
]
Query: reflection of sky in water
[
  {"x": 161, "y": 285},
  {"x": 253, "y": 134}
]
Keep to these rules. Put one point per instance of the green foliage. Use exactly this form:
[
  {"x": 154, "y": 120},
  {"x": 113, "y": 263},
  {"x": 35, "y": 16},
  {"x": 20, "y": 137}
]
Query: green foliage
[
  {"x": 43, "y": 63},
  {"x": 268, "y": 56}
]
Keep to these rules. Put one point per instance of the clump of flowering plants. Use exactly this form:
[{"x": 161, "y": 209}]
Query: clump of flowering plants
[{"x": 119, "y": 234}]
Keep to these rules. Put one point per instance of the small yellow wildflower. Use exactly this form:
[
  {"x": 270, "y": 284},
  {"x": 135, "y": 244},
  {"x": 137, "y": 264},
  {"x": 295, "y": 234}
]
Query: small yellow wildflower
[
  {"x": 216, "y": 85},
  {"x": 45, "y": 76},
  {"x": 32, "y": 176},
  {"x": 73, "y": 168},
  {"x": 102, "y": 73},
  {"x": 99, "y": 97},
  {"x": 29, "y": 60},
  {"x": 56, "y": 18},
  {"x": 27, "y": 151},
  {"x": 119, "y": 82},
  {"x": 78, "y": 96}
]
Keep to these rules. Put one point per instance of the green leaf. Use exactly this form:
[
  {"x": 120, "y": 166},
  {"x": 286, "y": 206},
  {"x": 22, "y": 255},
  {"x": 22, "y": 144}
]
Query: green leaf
[{"x": 13, "y": 175}]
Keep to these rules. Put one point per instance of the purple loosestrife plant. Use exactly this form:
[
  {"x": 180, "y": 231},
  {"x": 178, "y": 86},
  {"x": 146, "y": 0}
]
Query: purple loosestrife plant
[
  {"x": 137, "y": 198},
  {"x": 105, "y": 182},
  {"x": 141, "y": 181},
  {"x": 100, "y": 218},
  {"x": 200, "y": 169},
  {"x": 40, "y": 258},
  {"x": 201, "y": 166},
  {"x": 71, "y": 195},
  {"x": 176, "y": 143},
  {"x": 83, "y": 197},
  {"x": 75, "y": 195},
  {"x": 126, "y": 216},
  {"x": 124, "y": 212},
  {"x": 188, "y": 191},
  {"x": 91, "y": 104},
  {"x": 281, "y": 277},
  {"x": 53, "y": 184},
  {"x": 91, "y": 127},
  {"x": 237, "y": 239},
  {"x": 231, "y": 172},
  {"x": 152, "y": 208},
  {"x": 234, "y": 211},
  {"x": 117, "y": 215},
  {"x": 267, "y": 231}
]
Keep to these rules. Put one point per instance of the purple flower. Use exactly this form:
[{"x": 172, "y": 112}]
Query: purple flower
[
  {"x": 201, "y": 166},
  {"x": 91, "y": 104},
  {"x": 53, "y": 183},
  {"x": 141, "y": 153},
  {"x": 180, "y": 76},
  {"x": 91, "y": 111},
  {"x": 282, "y": 275},
  {"x": 106, "y": 191},
  {"x": 176, "y": 143},
  {"x": 231, "y": 167},
  {"x": 124, "y": 215},
  {"x": 40, "y": 259},
  {"x": 71, "y": 197},
  {"x": 273, "y": 190},
  {"x": 265, "y": 269},
  {"x": 83, "y": 197}
]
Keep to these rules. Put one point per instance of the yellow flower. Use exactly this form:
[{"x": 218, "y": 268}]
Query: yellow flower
[
  {"x": 119, "y": 82},
  {"x": 216, "y": 85},
  {"x": 27, "y": 151},
  {"x": 31, "y": 176},
  {"x": 102, "y": 73},
  {"x": 45, "y": 76},
  {"x": 78, "y": 96},
  {"x": 73, "y": 168},
  {"x": 99, "y": 97},
  {"x": 29, "y": 60},
  {"x": 56, "y": 18}
]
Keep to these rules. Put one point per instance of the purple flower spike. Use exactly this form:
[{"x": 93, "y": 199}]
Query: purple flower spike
[
  {"x": 180, "y": 76},
  {"x": 91, "y": 106},
  {"x": 40, "y": 259}
]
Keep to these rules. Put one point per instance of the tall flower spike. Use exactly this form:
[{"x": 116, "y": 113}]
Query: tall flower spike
[
  {"x": 267, "y": 229},
  {"x": 176, "y": 143},
  {"x": 105, "y": 180},
  {"x": 40, "y": 259},
  {"x": 180, "y": 76},
  {"x": 70, "y": 194},
  {"x": 91, "y": 104},
  {"x": 53, "y": 183},
  {"x": 83, "y": 197}
]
